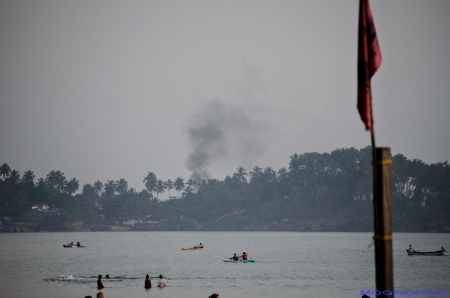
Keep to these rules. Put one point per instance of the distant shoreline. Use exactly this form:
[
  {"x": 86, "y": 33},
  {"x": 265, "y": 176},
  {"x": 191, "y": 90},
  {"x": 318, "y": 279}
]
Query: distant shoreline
[{"x": 74, "y": 224}]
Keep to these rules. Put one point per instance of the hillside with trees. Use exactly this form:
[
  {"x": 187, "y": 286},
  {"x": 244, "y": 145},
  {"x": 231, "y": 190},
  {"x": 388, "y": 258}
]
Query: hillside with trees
[{"x": 314, "y": 192}]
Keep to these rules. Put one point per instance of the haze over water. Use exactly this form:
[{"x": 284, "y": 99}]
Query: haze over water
[{"x": 287, "y": 264}]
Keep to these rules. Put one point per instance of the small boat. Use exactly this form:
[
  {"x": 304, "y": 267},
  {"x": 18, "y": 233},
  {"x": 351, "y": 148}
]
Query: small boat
[
  {"x": 426, "y": 253},
  {"x": 194, "y": 248},
  {"x": 238, "y": 261},
  {"x": 68, "y": 245}
]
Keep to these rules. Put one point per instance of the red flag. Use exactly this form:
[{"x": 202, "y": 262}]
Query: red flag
[{"x": 369, "y": 60}]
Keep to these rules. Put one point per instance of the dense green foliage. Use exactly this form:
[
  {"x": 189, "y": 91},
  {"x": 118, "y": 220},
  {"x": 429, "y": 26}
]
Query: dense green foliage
[{"x": 315, "y": 186}]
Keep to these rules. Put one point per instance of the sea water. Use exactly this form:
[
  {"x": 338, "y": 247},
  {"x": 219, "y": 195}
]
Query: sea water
[{"x": 287, "y": 264}]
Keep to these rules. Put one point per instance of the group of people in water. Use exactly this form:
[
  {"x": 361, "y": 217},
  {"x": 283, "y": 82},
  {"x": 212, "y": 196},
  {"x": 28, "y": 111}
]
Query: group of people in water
[
  {"x": 147, "y": 285},
  {"x": 161, "y": 282}
]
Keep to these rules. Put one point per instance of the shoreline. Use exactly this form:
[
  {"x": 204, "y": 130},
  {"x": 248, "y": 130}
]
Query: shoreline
[{"x": 73, "y": 224}]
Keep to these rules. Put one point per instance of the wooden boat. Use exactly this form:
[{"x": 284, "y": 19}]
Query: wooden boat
[
  {"x": 238, "y": 261},
  {"x": 426, "y": 253},
  {"x": 194, "y": 248}
]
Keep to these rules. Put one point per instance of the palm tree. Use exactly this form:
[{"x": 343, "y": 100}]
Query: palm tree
[
  {"x": 179, "y": 185},
  {"x": 5, "y": 171},
  {"x": 61, "y": 181},
  {"x": 110, "y": 188},
  {"x": 14, "y": 177},
  {"x": 240, "y": 175},
  {"x": 255, "y": 174},
  {"x": 41, "y": 182},
  {"x": 88, "y": 192},
  {"x": 189, "y": 184},
  {"x": 72, "y": 186},
  {"x": 56, "y": 180},
  {"x": 150, "y": 182},
  {"x": 98, "y": 187},
  {"x": 121, "y": 186},
  {"x": 169, "y": 186},
  {"x": 160, "y": 187},
  {"x": 28, "y": 178},
  {"x": 269, "y": 175},
  {"x": 51, "y": 178}
]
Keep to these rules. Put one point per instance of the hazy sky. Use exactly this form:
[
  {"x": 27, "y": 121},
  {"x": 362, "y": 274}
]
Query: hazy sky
[{"x": 103, "y": 90}]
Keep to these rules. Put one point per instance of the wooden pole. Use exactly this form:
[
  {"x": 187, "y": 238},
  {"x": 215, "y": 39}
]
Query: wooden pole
[{"x": 382, "y": 206}]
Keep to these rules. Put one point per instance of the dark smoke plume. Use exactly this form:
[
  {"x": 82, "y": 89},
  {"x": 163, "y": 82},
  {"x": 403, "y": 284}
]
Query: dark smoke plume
[{"x": 220, "y": 132}]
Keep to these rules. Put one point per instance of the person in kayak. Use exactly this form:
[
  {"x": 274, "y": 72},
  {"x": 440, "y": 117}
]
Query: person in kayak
[
  {"x": 214, "y": 295},
  {"x": 411, "y": 249},
  {"x": 244, "y": 256},
  {"x": 235, "y": 257},
  {"x": 199, "y": 246},
  {"x": 78, "y": 244},
  {"x": 100, "y": 282},
  {"x": 148, "y": 283}
]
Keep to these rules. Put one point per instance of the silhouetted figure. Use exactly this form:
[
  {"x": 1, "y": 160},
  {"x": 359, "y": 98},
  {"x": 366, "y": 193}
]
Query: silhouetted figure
[
  {"x": 100, "y": 283},
  {"x": 148, "y": 283}
]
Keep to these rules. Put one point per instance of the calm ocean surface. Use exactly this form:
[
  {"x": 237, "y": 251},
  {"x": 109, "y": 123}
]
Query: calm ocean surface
[{"x": 287, "y": 264}]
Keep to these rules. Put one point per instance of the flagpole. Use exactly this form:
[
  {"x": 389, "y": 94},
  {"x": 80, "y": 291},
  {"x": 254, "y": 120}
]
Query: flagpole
[{"x": 372, "y": 130}]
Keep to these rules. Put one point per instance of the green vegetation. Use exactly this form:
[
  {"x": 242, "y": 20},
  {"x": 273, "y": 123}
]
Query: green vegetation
[{"x": 318, "y": 191}]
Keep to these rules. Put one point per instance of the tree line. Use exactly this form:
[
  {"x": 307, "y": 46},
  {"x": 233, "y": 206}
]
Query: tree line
[{"x": 312, "y": 186}]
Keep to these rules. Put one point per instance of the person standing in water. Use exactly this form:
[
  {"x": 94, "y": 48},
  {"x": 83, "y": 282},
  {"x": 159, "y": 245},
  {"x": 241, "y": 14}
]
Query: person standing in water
[
  {"x": 148, "y": 283},
  {"x": 161, "y": 282},
  {"x": 100, "y": 282}
]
